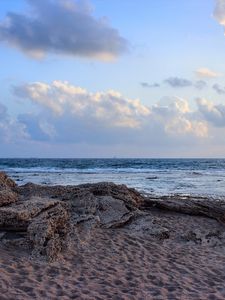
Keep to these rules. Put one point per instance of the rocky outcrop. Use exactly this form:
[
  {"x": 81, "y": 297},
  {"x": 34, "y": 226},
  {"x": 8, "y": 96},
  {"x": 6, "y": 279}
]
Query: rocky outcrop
[
  {"x": 7, "y": 196},
  {"x": 6, "y": 182},
  {"x": 47, "y": 231},
  {"x": 44, "y": 222},
  {"x": 47, "y": 220},
  {"x": 19, "y": 215},
  {"x": 44, "y": 217},
  {"x": 189, "y": 205},
  {"x": 7, "y": 186}
]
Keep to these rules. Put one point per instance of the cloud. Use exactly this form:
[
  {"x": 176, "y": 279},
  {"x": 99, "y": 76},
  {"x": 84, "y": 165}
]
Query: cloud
[
  {"x": 10, "y": 129},
  {"x": 200, "y": 84},
  {"x": 65, "y": 116},
  {"x": 212, "y": 112},
  {"x": 207, "y": 73},
  {"x": 70, "y": 114},
  {"x": 178, "y": 119},
  {"x": 178, "y": 82},
  {"x": 61, "y": 27},
  {"x": 109, "y": 107},
  {"x": 148, "y": 85},
  {"x": 219, "y": 89},
  {"x": 219, "y": 12}
]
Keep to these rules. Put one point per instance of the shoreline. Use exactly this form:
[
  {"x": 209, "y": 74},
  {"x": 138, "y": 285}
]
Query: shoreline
[{"x": 107, "y": 241}]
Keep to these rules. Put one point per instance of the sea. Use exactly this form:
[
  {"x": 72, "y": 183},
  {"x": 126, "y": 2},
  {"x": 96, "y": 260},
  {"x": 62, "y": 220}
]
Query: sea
[{"x": 198, "y": 177}]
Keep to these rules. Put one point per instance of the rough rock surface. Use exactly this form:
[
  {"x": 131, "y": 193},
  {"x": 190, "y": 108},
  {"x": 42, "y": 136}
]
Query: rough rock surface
[
  {"x": 7, "y": 185},
  {"x": 48, "y": 230},
  {"x": 47, "y": 220},
  {"x": 189, "y": 205},
  {"x": 6, "y": 182},
  {"x": 7, "y": 196}
]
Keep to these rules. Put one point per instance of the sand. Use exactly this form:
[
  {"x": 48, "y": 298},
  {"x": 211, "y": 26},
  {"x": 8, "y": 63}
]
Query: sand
[
  {"x": 118, "y": 264},
  {"x": 104, "y": 241}
]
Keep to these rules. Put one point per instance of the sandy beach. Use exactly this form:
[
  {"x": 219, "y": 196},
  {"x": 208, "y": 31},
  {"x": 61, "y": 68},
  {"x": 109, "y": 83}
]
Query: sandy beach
[
  {"x": 112, "y": 150},
  {"x": 104, "y": 241}
]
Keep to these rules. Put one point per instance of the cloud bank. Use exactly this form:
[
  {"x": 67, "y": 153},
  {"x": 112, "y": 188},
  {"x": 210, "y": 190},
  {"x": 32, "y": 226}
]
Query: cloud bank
[
  {"x": 70, "y": 114},
  {"x": 61, "y": 27},
  {"x": 65, "y": 115}
]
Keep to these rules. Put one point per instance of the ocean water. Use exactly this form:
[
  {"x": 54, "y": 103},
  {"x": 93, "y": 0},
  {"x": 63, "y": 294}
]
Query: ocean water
[{"x": 204, "y": 177}]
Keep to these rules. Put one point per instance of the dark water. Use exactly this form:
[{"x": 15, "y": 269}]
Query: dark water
[{"x": 158, "y": 176}]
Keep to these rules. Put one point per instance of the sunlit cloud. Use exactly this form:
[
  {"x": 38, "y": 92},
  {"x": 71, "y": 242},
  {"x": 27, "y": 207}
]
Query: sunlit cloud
[
  {"x": 207, "y": 73},
  {"x": 213, "y": 113},
  {"x": 75, "y": 114},
  {"x": 109, "y": 107}
]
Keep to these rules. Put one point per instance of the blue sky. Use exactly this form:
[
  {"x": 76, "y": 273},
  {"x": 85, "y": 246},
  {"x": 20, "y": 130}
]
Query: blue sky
[{"x": 103, "y": 78}]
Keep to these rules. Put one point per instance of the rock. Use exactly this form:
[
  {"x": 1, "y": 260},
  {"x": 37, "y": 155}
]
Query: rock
[
  {"x": 7, "y": 190},
  {"x": 18, "y": 216},
  {"x": 145, "y": 225},
  {"x": 129, "y": 196},
  {"x": 47, "y": 220},
  {"x": 48, "y": 215},
  {"x": 47, "y": 232},
  {"x": 114, "y": 204},
  {"x": 152, "y": 177},
  {"x": 188, "y": 205},
  {"x": 6, "y": 182},
  {"x": 213, "y": 237},
  {"x": 112, "y": 212},
  {"x": 7, "y": 197}
]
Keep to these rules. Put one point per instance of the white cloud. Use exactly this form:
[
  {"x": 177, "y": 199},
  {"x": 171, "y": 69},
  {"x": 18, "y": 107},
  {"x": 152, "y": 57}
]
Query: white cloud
[
  {"x": 65, "y": 115},
  {"x": 207, "y": 73},
  {"x": 178, "y": 119},
  {"x": 73, "y": 114},
  {"x": 213, "y": 113},
  {"x": 110, "y": 107}
]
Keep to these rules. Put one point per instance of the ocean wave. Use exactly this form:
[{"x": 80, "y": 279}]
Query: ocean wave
[{"x": 41, "y": 170}]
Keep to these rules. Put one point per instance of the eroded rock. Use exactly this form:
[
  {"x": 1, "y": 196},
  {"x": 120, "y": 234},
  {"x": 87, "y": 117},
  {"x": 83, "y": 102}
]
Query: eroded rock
[
  {"x": 189, "y": 205},
  {"x": 50, "y": 219},
  {"x": 6, "y": 182},
  {"x": 7, "y": 190},
  {"x": 47, "y": 231},
  {"x": 7, "y": 196},
  {"x": 19, "y": 215}
]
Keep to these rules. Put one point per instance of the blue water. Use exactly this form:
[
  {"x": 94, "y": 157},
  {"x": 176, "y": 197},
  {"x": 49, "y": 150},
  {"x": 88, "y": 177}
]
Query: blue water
[{"x": 156, "y": 176}]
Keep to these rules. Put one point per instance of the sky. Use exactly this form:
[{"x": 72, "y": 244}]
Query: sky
[{"x": 110, "y": 78}]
